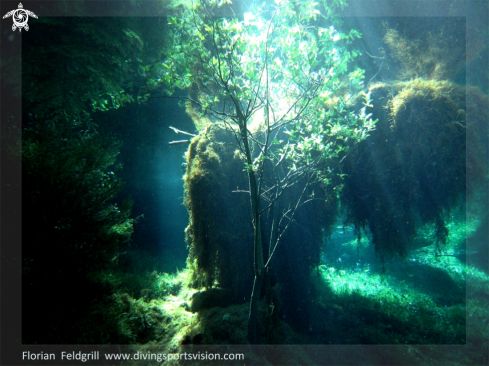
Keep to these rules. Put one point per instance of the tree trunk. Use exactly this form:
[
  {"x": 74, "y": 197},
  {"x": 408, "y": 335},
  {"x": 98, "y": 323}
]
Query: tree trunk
[
  {"x": 258, "y": 256},
  {"x": 255, "y": 209}
]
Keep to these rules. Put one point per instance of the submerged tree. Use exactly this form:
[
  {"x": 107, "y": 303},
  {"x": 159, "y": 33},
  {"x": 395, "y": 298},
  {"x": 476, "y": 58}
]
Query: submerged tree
[
  {"x": 278, "y": 80},
  {"x": 110, "y": 65},
  {"x": 76, "y": 223},
  {"x": 74, "y": 228}
]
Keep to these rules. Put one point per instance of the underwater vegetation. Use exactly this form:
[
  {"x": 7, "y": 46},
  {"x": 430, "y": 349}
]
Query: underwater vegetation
[
  {"x": 416, "y": 166},
  {"x": 322, "y": 210},
  {"x": 417, "y": 49},
  {"x": 109, "y": 66},
  {"x": 218, "y": 236},
  {"x": 429, "y": 57},
  {"x": 275, "y": 114},
  {"x": 432, "y": 175},
  {"x": 77, "y": 222},
  {"x": 70, "y": 207},
  {"x": 414, "y": 171}
]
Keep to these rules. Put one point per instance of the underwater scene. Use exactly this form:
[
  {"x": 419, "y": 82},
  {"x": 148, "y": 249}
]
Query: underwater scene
[{"x": 276, "y": 182}]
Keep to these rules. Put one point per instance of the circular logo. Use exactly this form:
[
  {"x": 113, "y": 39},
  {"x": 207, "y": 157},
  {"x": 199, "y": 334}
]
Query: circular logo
[{"x": 20, "y": 18}]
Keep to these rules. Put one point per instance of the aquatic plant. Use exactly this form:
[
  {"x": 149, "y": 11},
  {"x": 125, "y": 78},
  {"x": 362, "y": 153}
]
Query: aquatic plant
[
  {"x": 72, "y": 69},
  {"x": 434, "y": 49},
  {"x": 418, "y": 164},
  {"x": 74, "y": 223},
  {"x": 81, "y": 65},
  {"x": 422, "y": 299},
  {"x": 433, "y": 57},
  {"x": 217, "y": 231},
  {"x": 275, "y": 82}
]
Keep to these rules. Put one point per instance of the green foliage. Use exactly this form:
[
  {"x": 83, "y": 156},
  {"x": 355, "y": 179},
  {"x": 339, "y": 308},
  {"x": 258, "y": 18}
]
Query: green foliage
[
  {"x": 417, "y": 300},
  {"x": 412, "y": 170},
  {"x": 75, "y": 66},
  {"x": 73, "y": 226},
  {"x": 280, "y": 66},
  {"x": 279, "y": 82},
  {"x": 433, "y": 50},
  {"x": 277, "y": 79},
  {"x": 422, "y": 299},
  {"x": 148, "y": 286},
  {"x": 71, "y": 185},
  {"x": 141, "y": 307}
]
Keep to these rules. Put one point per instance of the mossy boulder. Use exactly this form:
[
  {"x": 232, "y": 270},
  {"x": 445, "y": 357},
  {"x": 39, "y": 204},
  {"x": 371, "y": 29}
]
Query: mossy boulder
[
  {"x": 220, "y": 232},
  {"x": 418, "y": 163}
]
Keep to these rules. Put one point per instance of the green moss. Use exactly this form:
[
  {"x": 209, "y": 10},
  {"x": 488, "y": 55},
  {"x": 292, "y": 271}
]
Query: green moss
[
  {"x": 435, "y": 50},
  {"x": 422, "y": 299},
  {"x": 219, "y": 235},
  {"x": 415, "y": 168},
  {"x": 392, "y": 308}
]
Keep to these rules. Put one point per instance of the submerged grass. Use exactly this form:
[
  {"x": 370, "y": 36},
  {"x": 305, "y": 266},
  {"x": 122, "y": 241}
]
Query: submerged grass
[
  {"x": 423, "y": 299},
  {"x": 430, "y": 297}
]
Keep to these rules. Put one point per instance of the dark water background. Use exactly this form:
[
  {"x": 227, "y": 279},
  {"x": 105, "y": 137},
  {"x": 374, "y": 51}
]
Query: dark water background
[{"x": 153, "y": 175}]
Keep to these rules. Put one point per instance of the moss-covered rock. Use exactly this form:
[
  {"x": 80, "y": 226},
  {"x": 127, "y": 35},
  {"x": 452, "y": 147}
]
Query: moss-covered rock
[
  {"x": 220, "y": 232},
  {"x": 418, "y": 163}
]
